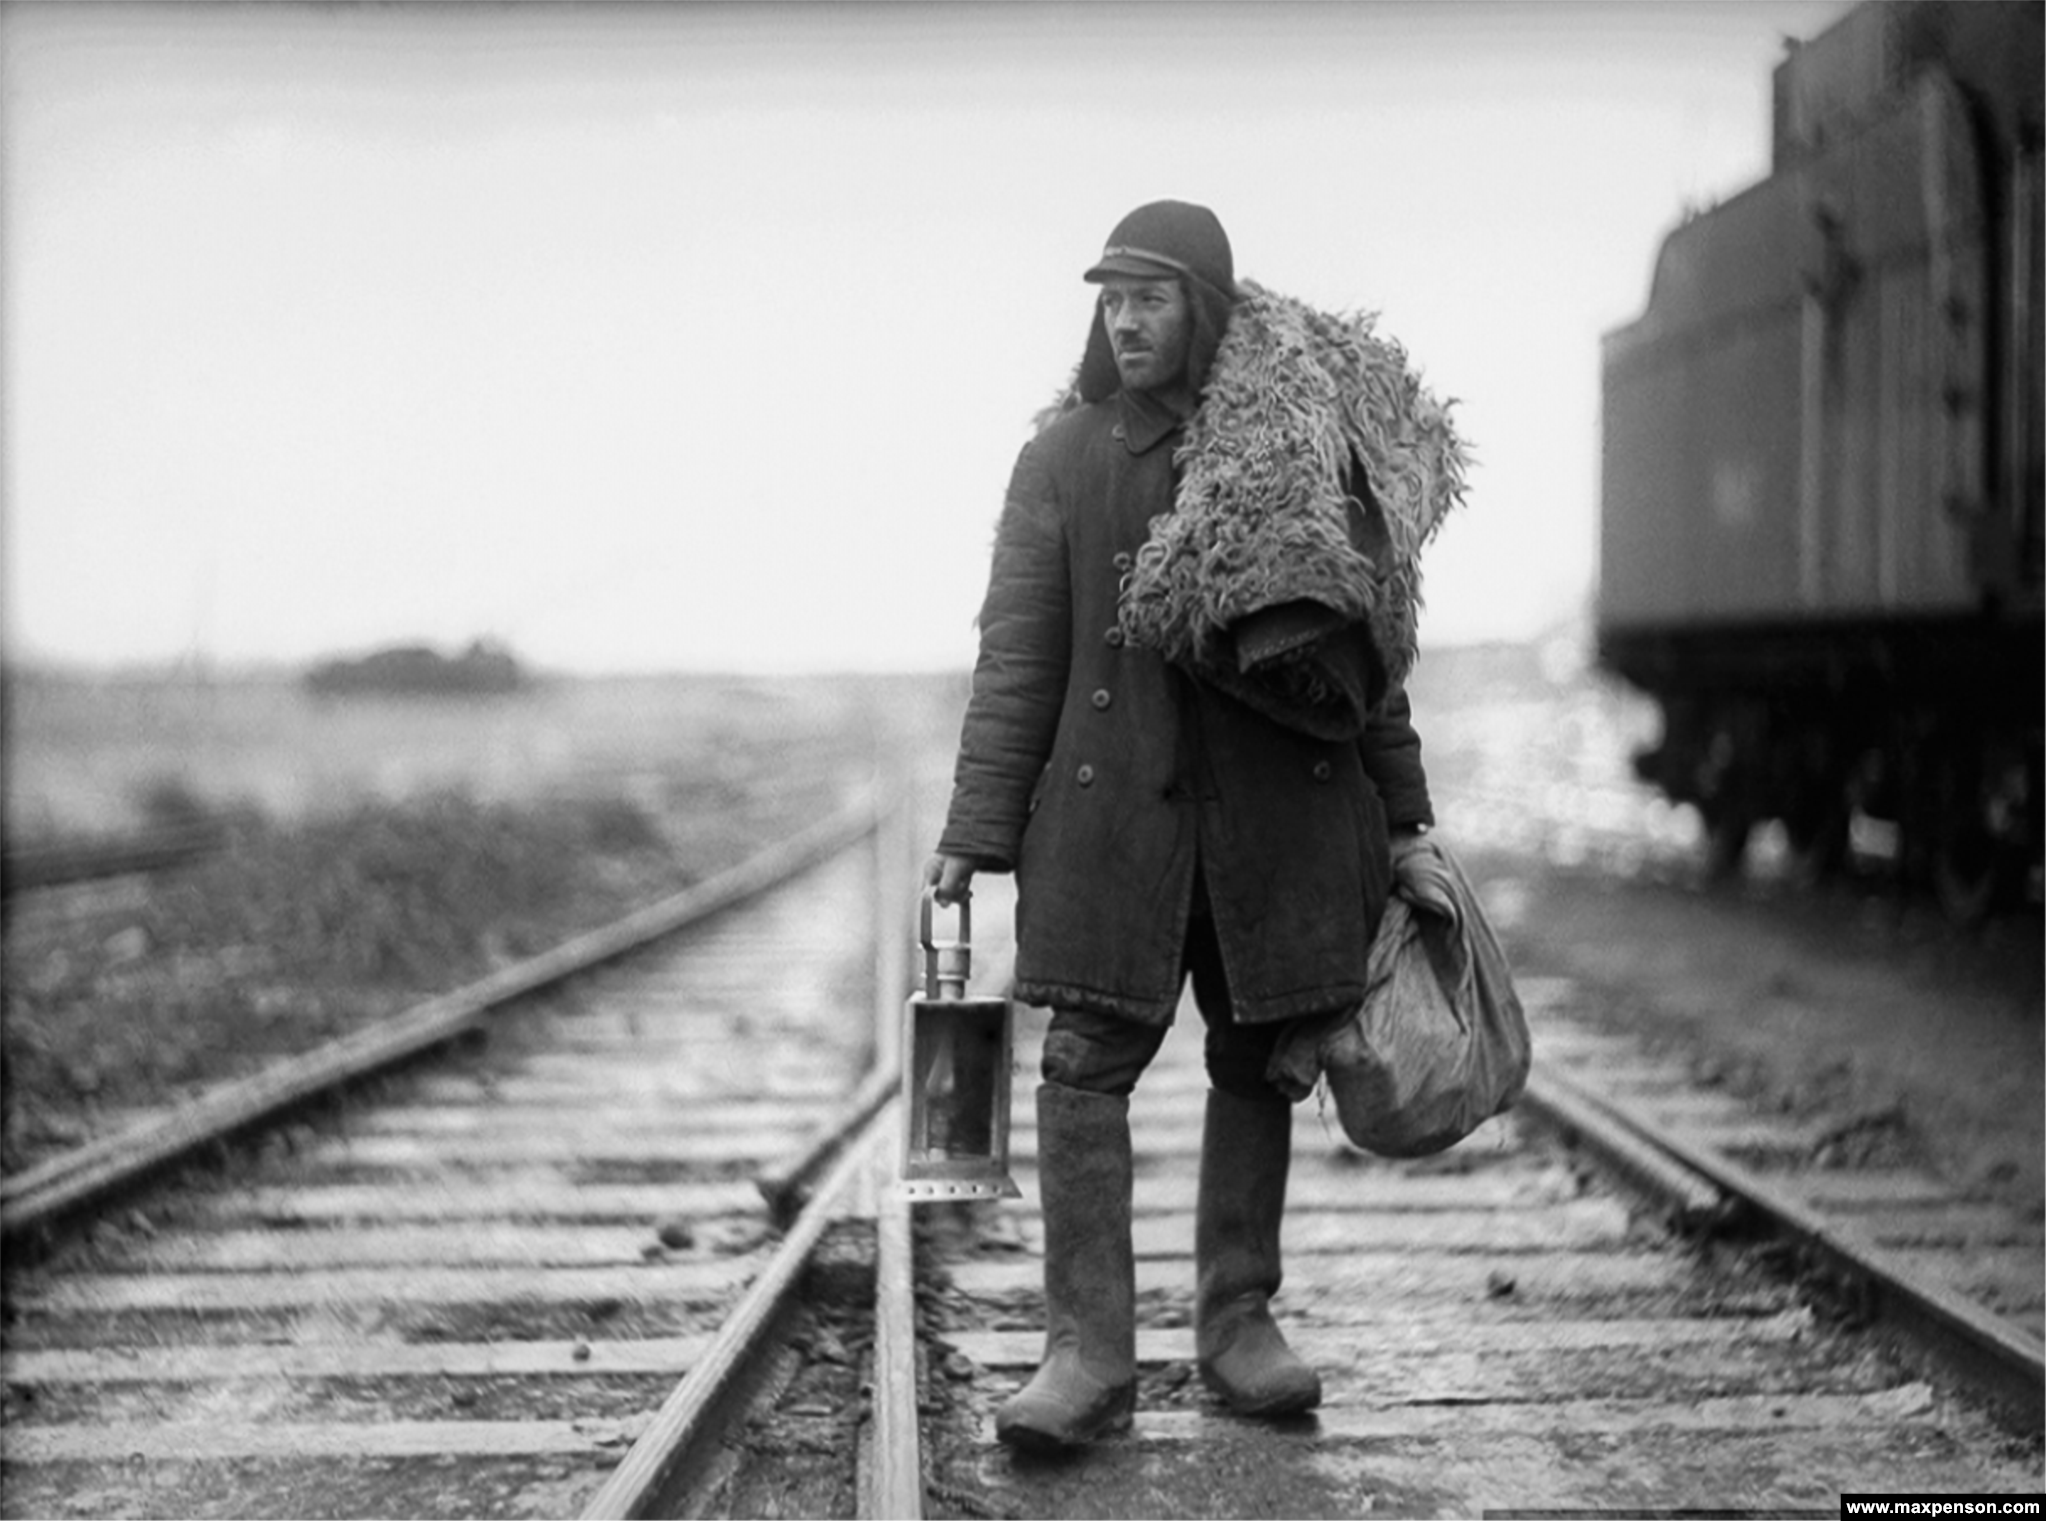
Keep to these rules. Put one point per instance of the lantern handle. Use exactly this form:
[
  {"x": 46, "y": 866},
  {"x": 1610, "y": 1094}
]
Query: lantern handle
[{"x": 947, "y": 963}]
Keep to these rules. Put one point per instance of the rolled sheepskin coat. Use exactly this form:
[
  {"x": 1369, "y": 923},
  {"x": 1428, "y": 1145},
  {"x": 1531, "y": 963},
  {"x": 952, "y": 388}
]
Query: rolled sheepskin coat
[{"x": 1105, "y": 775}]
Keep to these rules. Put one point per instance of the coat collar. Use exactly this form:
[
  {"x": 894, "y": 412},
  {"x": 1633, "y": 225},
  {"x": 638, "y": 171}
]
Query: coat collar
[{"x": 1146, "y": 421}]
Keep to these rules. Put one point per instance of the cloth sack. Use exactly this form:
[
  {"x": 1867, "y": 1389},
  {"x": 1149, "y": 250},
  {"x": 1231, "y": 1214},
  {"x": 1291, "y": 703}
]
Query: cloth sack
[{"x": 1440, "y": 1043}]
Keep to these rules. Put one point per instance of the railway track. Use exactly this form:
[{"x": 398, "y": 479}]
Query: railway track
[
  {"x": 1961, "y": 1268},
  {"x": 1559, "y": 1315},
  {"x": 475, "y": 1288},
  {"x": 542, "y": 1276}
]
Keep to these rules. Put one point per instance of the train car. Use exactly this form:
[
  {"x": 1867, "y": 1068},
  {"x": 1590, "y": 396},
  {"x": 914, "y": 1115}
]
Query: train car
[{"x": 1820, "y": 537}]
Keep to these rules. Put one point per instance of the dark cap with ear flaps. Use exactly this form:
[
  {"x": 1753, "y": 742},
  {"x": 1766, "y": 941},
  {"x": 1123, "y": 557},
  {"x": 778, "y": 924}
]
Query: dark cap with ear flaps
[{"x": 1168, "y": 238}]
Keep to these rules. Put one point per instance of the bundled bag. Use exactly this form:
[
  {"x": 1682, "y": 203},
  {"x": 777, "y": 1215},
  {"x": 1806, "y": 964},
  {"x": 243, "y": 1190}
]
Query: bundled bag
[{"x": 1440, "y": 1043}]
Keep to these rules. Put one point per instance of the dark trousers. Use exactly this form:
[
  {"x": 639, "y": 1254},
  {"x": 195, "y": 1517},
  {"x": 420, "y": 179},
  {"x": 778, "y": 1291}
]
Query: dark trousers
[{"x": 1104, "y": 1053}]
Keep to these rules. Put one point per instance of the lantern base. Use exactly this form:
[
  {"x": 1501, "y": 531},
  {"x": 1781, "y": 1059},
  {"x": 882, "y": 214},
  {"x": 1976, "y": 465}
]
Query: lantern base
[{"x": 934, "y": 1186}]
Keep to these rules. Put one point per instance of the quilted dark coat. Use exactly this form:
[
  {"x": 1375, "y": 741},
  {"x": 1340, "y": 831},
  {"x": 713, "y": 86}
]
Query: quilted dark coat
[{"x": 1101, "y": 774}]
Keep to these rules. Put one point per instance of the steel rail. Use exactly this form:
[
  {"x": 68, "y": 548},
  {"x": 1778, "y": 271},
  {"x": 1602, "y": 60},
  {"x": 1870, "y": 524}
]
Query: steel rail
[
  {"x": 86, "y": 861},
  {"x": 1693, "y": 1200},
  {"x": 890, "y": 1479},
  {"x": 2001, "y": 1361},
  {"x": 786, "y": 1185},
  {"x": 892, "y": 1475},
  {"x": 90, "y": 1173}
]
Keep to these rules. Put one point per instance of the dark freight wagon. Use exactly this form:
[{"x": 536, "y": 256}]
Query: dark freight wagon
[{"x": 1821, "y": 516}]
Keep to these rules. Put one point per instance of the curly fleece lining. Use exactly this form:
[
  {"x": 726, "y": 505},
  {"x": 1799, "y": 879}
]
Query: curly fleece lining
[{"x": 1294, "y": 397}]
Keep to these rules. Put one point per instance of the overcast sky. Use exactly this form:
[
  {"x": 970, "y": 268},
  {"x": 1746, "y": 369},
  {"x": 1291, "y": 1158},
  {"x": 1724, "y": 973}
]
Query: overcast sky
[{"x": 690, "y": 336}]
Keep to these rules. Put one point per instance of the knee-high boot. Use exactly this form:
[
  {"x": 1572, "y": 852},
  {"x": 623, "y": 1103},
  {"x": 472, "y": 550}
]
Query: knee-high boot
[
  {"x": 1087, "y": 1385},
  {"x": 1246, "y": 1151}
]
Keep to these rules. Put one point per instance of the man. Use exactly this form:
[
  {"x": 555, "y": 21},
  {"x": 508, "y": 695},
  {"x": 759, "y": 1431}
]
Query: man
[{"x": 1192, "y": 770}]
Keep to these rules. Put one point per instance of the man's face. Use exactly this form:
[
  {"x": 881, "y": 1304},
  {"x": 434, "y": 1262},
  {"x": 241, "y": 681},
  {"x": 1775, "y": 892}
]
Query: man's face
[{"x": 1149, "y": 328}]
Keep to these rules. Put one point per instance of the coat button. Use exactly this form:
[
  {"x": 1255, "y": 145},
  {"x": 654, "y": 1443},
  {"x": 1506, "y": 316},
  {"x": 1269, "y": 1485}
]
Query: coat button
[
  {"x": 1321, "y": 771},
  {"x": 1102, "y": 698},
  {"x": 1123, "y": 562},
  {"x": 1114, "y": 637},
  {"x": 1084, "y": 776}
]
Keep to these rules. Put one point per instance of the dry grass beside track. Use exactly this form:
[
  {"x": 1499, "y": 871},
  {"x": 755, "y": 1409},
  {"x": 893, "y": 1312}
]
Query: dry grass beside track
[
  {"x": 312, "y": 923},
  {"x": 296, "y": 934}
]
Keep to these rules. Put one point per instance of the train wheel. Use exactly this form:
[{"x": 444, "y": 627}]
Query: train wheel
[
  {"x": 1728, "y": 823},
  {"x": 1820, "y": 841},
  {"x": 1965, "y": 859},
  {"x": 1965, "y": 876}
]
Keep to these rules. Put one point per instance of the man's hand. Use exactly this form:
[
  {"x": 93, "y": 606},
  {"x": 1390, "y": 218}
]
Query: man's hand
[
  {"x": 951, "y": 876},
  {"x": 1421, "y": 876}
]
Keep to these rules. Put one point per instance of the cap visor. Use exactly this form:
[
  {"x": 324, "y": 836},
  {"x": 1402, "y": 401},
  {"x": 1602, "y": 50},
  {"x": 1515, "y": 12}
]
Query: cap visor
[{"x": 1129, "y": 266}]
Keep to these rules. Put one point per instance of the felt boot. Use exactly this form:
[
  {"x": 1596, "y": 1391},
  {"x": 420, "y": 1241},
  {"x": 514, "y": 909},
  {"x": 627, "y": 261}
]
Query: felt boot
[
  {"x": 1087, "y": 1385},
  {"x": 1246, "y": 1150}
]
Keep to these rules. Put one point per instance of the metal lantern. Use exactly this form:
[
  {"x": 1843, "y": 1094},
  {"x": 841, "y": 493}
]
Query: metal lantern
[{"x": 955, "y": 1077}]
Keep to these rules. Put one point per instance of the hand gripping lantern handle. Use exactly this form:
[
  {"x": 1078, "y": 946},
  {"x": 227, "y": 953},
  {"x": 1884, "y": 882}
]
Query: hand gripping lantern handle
[{"x": 955, "y": 1076}]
